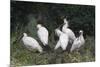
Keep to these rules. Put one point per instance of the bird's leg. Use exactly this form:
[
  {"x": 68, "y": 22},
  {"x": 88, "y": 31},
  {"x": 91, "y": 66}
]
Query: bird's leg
[{"x": 47, "y": 48}]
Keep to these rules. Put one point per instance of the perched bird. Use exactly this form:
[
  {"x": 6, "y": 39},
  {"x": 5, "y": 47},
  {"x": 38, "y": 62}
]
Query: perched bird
[
  {"x": 68, "y": 31},
  {"x": 63, "y": 40},
  {"x": 31, "y": 43},
  {"x": 43, "y": 35},
  {"x": 78, "y": 42}
]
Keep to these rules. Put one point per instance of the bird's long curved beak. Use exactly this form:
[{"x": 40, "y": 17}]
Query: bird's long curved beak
[
  {"x": 61, "y": 25},
  {"x": 64, "y": 23},
  {"x": 18, "y": 39}
]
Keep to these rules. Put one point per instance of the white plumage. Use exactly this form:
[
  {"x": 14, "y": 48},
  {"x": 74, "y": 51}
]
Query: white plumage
[
  {"x": 31, "y": 43},
  {"x": 63, "y": 40},
  {"x": 68, "y": 31},
  {"x": 78, "y": 42},
  {"x": 42, "y": 34}
]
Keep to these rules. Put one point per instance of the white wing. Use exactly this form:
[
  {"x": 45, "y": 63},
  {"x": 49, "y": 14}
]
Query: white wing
[
  {"x": 75, "y": 44},
  {"x": 64, "y": 41},
  {"x": 43, "y": 35},
  {"x": 70, "y": 33},
  {"x": 78, "y": 42},
  {"x": 31, "y": 42}
]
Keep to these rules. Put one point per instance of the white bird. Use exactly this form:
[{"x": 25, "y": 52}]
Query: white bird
[
  {"x": 31, "y": 43},
  {"x": 63, "y": 40},
  {"x": 42, "y": 34},
  {"x": 68, "y": 31},
  {"x": 78, "y": 42}
]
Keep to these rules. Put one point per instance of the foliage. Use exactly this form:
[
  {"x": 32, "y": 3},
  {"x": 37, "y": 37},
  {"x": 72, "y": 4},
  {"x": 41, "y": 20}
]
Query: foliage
[
  {"x": 50, "y": 15},
  {"x": 21, "y": 56}
]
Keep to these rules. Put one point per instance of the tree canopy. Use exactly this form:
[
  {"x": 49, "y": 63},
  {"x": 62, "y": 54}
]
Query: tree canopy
[{"x": 50, "y": 15}]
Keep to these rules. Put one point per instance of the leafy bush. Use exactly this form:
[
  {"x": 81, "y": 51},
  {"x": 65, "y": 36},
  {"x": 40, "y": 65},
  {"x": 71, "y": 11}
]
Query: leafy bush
[{"x": 21, "y": 56}]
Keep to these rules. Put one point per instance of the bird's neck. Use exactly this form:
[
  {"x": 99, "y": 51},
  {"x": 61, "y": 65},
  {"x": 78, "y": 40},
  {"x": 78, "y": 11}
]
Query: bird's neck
[
  {"x": 59, "y": 33},
  {"x": 64, "y": 27},
  {"x": 81, "y": 36}
]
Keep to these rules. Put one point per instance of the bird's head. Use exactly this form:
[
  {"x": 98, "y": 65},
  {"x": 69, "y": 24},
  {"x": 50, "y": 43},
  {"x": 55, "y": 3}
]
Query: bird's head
[
  {"x": 66, "y": 22},
  {"x": 39, "y": 25},
  {"x": 81, "y": 32},
  {"x": 24, "y": 34}
]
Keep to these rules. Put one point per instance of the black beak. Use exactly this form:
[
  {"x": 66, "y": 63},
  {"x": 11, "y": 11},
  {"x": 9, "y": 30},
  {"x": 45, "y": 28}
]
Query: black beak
[{"x": 18, "y": 39}]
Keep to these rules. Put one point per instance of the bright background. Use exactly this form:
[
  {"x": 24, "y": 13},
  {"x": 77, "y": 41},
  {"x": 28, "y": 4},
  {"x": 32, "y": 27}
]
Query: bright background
[{"x": 5, "y": 33}]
